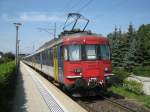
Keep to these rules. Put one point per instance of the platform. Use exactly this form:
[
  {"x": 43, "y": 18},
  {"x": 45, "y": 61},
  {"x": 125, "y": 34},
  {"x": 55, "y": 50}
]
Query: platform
[{"x": 36, "y": 94}]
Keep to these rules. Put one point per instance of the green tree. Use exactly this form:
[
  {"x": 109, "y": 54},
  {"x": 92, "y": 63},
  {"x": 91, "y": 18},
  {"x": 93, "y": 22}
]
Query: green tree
[
  {"x": 6, "y": 57},
  {"x": 128, "y": 61},
  {"x": 114, "y": 39},
  {"x": 131, "y": 48},
  {"x": 144, "y": 37}
]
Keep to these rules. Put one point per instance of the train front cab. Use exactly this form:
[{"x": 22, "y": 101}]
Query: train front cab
[{"x": 86, "y": 61}]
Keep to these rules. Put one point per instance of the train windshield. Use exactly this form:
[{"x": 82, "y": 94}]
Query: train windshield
[
  {"x": 105, "y": 52},
  {"x": 74, "y": 52},
  {"x": 90, "y": 52}
]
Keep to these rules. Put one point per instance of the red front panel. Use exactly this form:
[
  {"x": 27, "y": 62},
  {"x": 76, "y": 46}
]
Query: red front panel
[
  {"x": 89, "y": 69},
  {"x": 92, "y": 69}
]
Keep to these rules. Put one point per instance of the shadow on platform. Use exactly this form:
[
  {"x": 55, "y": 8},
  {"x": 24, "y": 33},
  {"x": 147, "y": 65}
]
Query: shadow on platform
[{"x": 19, "y": 104}]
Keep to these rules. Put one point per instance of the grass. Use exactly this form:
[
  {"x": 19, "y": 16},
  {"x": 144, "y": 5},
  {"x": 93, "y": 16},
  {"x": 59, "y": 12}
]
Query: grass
[
  {"x": 144, "y": 99},
  {"x": 7, "y": 84},
  {"x": 129, "y": 89},
  {"x": 142, "y": 71}
]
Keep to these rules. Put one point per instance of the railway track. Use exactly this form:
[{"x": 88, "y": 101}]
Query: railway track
[
  {"x": 119, "y": 105},
  {"x": 104, "y": 104}
]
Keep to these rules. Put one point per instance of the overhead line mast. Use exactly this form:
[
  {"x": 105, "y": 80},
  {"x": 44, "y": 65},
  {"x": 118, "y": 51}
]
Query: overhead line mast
[
  {"x": 48, "y": 30},
  {"x": 17, "y": 25}
]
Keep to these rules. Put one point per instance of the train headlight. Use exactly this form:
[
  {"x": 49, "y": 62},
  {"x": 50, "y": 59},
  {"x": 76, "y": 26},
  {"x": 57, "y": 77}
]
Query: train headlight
[
  {"x": 107, "y": 78},
  {"x": 106, "y": 69},
  {"x": 77, "y": 70}
]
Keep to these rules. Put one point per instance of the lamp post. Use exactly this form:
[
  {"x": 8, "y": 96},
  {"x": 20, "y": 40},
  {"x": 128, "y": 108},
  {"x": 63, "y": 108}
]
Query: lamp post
[
  {"x": 18, "y": 49},
  {"x": 17, "y": 43}
]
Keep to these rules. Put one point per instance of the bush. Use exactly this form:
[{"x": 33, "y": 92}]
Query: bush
[
  {"x": 120, "y": 75},
  {"x": 7, "y": 85},
  {"x": 133, "y": 86},
  {"x": 142, "y": 71}
]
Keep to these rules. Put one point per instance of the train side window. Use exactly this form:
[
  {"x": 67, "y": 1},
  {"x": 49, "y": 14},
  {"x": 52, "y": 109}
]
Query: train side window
[
  {"x": 48, "y": 58},
  {"x": 43, "y": 57},
  {"x": 65, "y": 53}
]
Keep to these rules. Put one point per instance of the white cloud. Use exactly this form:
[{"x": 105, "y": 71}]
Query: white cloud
[
  {"x": 39, "y": 17},
  {"x": 34, "y": 17}
]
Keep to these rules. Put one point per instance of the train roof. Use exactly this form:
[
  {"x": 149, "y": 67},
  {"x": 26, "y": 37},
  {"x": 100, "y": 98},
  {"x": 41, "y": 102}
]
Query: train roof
[
  {"x": 62, "y": 37},
  {"x": 48, "y": 43},
  {"x": 65, "y": 35},
  {"x": 78, "y": 33}
]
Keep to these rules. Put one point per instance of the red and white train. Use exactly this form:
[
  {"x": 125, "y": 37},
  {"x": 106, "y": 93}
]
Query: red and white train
[{"x": 80, "y": 60}]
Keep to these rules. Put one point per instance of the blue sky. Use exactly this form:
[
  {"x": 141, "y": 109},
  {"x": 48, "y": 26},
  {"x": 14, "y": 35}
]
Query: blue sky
[{"x": 34, "y": 14}]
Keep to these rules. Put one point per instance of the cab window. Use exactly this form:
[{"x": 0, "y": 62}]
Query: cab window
[
  {"x": 90, "y": 52},
  {"x": 74, "y": 52}
]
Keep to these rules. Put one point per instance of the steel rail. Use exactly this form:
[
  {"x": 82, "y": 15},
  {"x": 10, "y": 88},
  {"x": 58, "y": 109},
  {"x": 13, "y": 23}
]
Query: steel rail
[{"x": 120, "y": 105}]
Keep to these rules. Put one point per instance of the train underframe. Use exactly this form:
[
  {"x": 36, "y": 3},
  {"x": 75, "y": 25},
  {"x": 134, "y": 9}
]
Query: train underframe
[{"x": 85, "y": 87}]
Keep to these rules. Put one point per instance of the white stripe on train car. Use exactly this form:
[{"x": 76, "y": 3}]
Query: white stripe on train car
[{"x": 71, "y": 77}]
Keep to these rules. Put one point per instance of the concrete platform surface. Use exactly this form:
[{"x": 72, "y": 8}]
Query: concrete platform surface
[
  {"x": 27, "y": 97},
  {"x": 36, "y": 94}
]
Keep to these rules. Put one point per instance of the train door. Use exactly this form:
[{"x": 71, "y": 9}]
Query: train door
[
  {"x": 55, "y": 61},
  {"x": 60, "y": 63}
]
